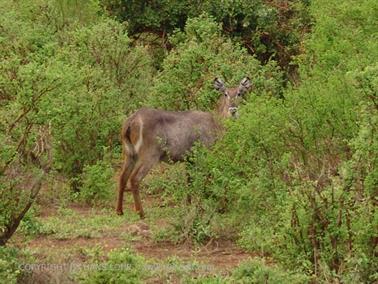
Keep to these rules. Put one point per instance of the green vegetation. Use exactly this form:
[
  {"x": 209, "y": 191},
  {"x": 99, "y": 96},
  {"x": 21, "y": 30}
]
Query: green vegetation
[
  {"x": 293, "y": 181},
  {"x": 121, "y": 267},
  {"x": 258, "y": 272},
  {"x": 97, "y": 183},
  {"x": 9, "y": 262},
  {"x": 95, "y": 224}
]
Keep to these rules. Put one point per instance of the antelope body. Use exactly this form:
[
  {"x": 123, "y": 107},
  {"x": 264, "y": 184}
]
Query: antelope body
[{"x": 151, "y": 135}]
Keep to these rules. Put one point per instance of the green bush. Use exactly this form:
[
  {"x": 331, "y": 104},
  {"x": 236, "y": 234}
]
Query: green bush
[
  {"x": 298, "y": 172},
  {"x": 168, "y": 182},
  {"x": 10, "y": 270},
  {"x": 122, "y": 266},
  {"x": 25, "y": 83},
  {"x": 200, "y": 54},
  {"x": 30, "y": 225},
  {"x": 76, "y": 78},
  {"x": 293, "y": 178},
  {"x": 97, "y": 183},
  {"x": 106, "y": 79},
  {"x": 267, "y": 28},
  {"x": 207, "y": 280},
  {"x": 255, "y": 271}
]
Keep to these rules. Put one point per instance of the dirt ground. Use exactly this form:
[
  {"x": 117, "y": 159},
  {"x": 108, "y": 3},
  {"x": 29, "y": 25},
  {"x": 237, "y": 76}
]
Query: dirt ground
[{"x": 220, "y": 257}]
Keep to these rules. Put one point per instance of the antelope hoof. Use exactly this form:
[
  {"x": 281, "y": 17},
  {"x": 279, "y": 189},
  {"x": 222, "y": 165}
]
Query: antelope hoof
[
  {"x": 140, "y": 212},
  {"x": 119, "y": 212}
]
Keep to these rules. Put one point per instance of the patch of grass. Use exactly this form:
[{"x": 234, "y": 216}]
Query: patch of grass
[
  {"x": 56, "y": 254},
  {"x": 125, "y": 265},
  {"x": 121, "y": 266},
  {"x": 176, "y": 270},
  {"x": 12, "y": 260},
  {"x": 9, "y": 265},
  {"x": 256, "y": 271},
  {"x": 128, "y": 238},
  {"x": 158, "y": 212},
  {"x": 213, "y": 279},
  {"x": 55, "y": 191},
  {"x": 166, "y": 234},
  {"x": 69, "y": 224},
  {"x": 30, "y": 226},
  {"x": 92, "y": 252}
]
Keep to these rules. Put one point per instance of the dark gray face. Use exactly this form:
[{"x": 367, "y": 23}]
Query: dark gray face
[{"x": 232, "y": 97}]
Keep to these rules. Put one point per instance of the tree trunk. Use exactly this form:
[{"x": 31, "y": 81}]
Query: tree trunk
[{"x": 13, "y": 224}]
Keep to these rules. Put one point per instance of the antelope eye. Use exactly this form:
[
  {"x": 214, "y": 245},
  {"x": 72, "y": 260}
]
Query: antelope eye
[{"x": 225, "y": 94}]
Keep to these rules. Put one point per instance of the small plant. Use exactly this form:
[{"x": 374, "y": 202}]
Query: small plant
[
  {"x": 30, "y": 225},
  {"x": 165, "y": 234},
  {"x": 255, "y": 271},
  {"x": 93, "y": 253},
  {"x": 256, "y": 238},
  {"x": 62, "y": 226},
  {"x": 97, "y": 184},
  {"x": 122, "y": 266},
  {"x": 208, "y": 280},
  {"x": 9, "y": 265}
]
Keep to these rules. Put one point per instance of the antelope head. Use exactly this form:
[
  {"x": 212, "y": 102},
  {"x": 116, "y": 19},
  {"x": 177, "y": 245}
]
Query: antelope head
[{"x": 231, "y": 97}]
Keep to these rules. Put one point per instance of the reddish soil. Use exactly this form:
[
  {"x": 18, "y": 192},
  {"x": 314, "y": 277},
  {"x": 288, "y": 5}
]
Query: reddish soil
[
  {"x": 107, "y": 243},
  {"x": 220, "y": 256},
  {"x": 224, "y": 258}
]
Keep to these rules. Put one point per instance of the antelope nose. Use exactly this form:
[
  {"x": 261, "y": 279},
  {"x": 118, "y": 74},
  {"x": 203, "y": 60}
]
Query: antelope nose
[{"x": 232, "y": 110}]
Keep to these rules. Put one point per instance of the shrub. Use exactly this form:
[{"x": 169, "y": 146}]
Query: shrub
[
  {"x": 9, "y": 265},
  {"x": 201, "y": 53},
  {"x": 25, "y": 83},
  {"x": 76, "y": 78},
  {"x": 30, "y": 225},
  {"x": 255, "y": 271},
  {"x": 105, "y": 80},
  {"x": 97, "y": 183},
  {"x": 122, "y": 266},
  {"x": 298, "y": 171},
  {"x": 267, "y": 28}
]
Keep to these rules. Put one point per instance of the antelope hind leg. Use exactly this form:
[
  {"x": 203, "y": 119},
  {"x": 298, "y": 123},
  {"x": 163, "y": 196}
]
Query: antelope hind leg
[
  {"x": 127, "y": 168},
  {"x": 136, "y": 177}
]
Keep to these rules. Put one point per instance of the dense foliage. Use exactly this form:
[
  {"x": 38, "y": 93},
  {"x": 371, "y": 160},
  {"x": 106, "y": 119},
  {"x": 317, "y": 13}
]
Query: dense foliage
[
  {"x": 268, "y": 29},
  {"x": 295, "y": 178}
]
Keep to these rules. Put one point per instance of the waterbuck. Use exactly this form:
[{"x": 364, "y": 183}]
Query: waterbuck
[{"x": 152, "y": 135}]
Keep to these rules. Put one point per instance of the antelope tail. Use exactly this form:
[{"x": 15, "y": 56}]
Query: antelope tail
[{"x": 128, "y": 147}]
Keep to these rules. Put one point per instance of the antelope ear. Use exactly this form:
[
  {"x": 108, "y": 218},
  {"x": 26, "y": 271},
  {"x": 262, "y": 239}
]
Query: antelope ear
[
  {"x": 219, "y": 85},
  {"x": 245, "y": 85}
]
